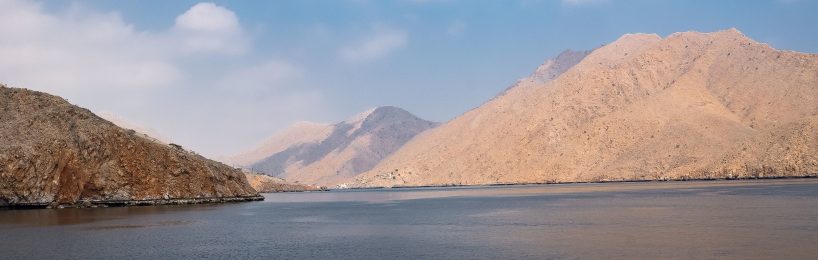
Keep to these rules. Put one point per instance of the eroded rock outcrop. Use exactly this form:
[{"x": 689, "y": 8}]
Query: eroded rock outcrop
[{"x": 53, "y": 153}]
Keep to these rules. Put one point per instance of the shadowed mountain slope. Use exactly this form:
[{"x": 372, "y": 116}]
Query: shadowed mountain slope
[{"x": 345, "y": 149}]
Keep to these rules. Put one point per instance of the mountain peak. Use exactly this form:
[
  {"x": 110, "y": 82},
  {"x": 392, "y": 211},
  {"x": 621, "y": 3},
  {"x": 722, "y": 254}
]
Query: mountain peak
[
  {"x": 381, "y": 112},
  {"x": 378, "y": 116},
  {"x": 731, "y": 33},
  {"x": 344, "y": 149},
  {"x": 636, "y": 38},
  {"x": 359, "y": 117},
  {"x": 691, "y": 105},
  {"x": 390, "y": 110},
  {"x": 553, "y": 67},
  {"x": 633, "y": 41}
]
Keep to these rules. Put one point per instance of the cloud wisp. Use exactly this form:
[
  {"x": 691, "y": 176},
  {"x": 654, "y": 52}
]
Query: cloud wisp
[{"x": 380, "y": 43}]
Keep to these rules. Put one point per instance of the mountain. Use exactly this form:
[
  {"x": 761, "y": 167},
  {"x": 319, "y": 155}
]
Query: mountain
[
  {"x": 268, "y": 184},
  {"x": 327, "y": 155},
  {"x": 299, "y": 133},
  {"x": 56, "y": 154},
  {"x": 689, "y": 106}
]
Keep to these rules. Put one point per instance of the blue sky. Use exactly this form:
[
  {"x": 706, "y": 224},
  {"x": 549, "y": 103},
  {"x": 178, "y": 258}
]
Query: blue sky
[{"x": 220, "y": 76}]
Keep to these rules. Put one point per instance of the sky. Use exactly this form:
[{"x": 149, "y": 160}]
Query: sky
[{"x": 218, "y": 77}]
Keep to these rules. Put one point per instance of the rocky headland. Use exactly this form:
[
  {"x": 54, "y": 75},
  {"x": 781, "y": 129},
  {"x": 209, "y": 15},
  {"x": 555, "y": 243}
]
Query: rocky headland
[{"x": 55, "y": 154}]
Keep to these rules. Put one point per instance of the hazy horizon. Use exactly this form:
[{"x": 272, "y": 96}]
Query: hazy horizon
[{"x": 218, "y": 77}]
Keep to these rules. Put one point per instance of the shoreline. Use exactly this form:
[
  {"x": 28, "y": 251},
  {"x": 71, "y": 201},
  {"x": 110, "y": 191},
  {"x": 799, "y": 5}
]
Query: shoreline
[
  {"x": 295, "y": 191},
  {"x": 260, "y": 197},
  {"x": 129, "y": 203},
  {"x": 581, "y": 182}
]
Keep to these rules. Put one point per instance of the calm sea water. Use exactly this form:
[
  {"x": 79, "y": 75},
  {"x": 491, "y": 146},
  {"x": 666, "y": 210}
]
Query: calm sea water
[{"x": 684, "y": 220}]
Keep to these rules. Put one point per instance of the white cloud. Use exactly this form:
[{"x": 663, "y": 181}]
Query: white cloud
[
  {"x": 207, "y": 27},
  {"x": 84, "y": 50},
  {"x": 375, "y": 46},
  {"x": 78, "y": 50},
  {"x": 190, "y": 76},
  {"x": 208, "y": 17},
  {"x": 584, "y": 2}
]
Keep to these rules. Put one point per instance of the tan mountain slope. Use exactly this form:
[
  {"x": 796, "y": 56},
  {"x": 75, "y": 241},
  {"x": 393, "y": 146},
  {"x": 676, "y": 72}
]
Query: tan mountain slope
[
  {"x": 298, "y": 133},
  {"x": 268, "y": 184},
  {"x": 692, "y": 105},
  {"x": 350, "y": 148},
  {"x": 53, "y": 153}
]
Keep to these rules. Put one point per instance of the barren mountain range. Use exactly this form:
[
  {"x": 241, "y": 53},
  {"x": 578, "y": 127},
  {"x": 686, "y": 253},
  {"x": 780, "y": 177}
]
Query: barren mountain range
[
  {"x": 312, "y": 153},
  {"x": 54, "y": 154},
  {"x": 689, "y": 106}
]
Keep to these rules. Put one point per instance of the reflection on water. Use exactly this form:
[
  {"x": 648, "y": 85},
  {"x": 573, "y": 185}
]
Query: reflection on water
[
  {"x": 50, "y": 217},
  {"x": 158, "y": 224},
  {"x": 681, "y": 220}
]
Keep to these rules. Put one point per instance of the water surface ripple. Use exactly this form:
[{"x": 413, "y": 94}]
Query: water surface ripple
[{"x": 769, "y": 219}]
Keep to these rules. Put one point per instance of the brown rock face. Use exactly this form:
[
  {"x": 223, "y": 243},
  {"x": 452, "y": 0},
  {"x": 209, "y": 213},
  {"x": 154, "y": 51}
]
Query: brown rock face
[
  {"x": 268, "y": 184},
  {"x": 692, "y": 105},
  {"x": 54, "y": 153}
]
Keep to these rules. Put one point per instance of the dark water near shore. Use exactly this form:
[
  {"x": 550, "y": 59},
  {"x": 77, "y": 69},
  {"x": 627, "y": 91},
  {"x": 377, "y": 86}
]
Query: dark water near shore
[{"x": 771, "y": 219}]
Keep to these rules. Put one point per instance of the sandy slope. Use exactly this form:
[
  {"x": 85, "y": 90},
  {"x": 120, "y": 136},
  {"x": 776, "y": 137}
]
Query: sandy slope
[{"x": 692, "y": 105}]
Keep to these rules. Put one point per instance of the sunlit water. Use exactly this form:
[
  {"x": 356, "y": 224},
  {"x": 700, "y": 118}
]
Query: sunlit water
[{"x": 775, "y": 219}]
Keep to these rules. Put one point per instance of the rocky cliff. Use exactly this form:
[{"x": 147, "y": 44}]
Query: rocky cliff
[
  {"x": 53, "y": 153},
  {"x": 689, "y": 106}
]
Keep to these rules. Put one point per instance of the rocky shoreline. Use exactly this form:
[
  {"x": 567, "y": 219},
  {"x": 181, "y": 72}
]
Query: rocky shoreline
[{"x": 127, "y": 203}]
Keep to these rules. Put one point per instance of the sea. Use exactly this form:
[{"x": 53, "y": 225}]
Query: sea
[{"x": 750, "y": 219}]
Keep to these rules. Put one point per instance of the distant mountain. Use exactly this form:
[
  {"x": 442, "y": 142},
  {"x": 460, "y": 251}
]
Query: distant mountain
[
  {"x": 326, "y": 155},
  {"x": 55, "y": 154},
  {"x": 268, "y": 184},
  {"x": 689, "y": 106},
  {"x": 299, "y": 133}
]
